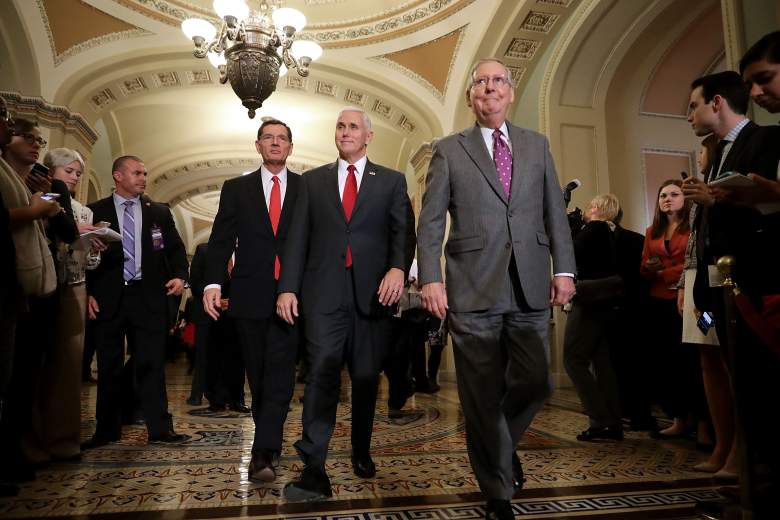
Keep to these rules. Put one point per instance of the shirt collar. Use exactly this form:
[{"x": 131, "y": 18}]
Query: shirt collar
[
  {"x": 732, "y": 135},
  {"x": 360, "y": 164},
  {"x": 266, "y": 175},
  {"x": 487, "y": 133},
  {"x": 118, "y": 199}
]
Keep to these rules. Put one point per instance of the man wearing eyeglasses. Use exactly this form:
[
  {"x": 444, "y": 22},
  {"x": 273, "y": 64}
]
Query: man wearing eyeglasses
[
  {"x": 255, "y": 211},
  {"x": 499, "y": 185}
]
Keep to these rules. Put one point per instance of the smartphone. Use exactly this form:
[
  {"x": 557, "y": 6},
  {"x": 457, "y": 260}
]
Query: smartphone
[
  {"x": 683, "y": 175},
  {"x": 41, "y": 170},
  {"x": 705, "y": 322},
  {"x": 50, "y": 196}
]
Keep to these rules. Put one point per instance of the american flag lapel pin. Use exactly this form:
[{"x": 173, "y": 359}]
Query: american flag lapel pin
[{"x": 372, "y": 173}]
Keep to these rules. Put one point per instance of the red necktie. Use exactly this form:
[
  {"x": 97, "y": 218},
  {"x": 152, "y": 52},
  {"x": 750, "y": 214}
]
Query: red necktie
[
  {"x": 348, "y": 201},
  {"x": 275, "y": 211}
]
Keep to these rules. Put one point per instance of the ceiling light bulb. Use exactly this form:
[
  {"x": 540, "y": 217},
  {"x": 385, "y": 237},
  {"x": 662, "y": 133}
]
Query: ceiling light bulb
[
  {"x": 289, "y": 17},
  {"x": 301, "y": 48},
  {"x": 216, "y": 59},
  {"x": 194, "y": 27},
  {"x": 236, "y": 8}
]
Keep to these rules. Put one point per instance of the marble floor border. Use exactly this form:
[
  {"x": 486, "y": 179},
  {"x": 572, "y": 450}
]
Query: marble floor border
[{"x": 629, "y": 500}]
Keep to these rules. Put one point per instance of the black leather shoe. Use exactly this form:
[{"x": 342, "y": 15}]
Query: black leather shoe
[
  {"x": 216, "y": 407},
  {"x": 593, "y": 433},
  {"x": 363, "y": 466},
  {"x": 261, "y": 468},
  {"x": 96, "y": 441},
  {"x": 499, "y": 510},
  {"x": 518, "y": 478},
  {"x": 312, "y": 485},
  {"x": 240, "y": 408},
  {"x": 171, "y": 438}
]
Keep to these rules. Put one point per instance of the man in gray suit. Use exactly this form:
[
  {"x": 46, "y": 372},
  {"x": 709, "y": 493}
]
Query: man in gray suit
[{"x": 507, "y": 213}]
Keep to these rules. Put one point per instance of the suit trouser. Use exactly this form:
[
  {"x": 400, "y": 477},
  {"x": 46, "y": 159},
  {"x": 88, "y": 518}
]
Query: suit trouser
[
  {"x": 224, "y": 377},
  {"x": 269, "y": 347},
  {"x": 396, "y": 366},
  {"x": 501, "y": 359},
  {"x": 333, "y": 338},
  {"x": 146, "y": 334},
  {"x": 8, "y": 312},
  {"x": 586, "y": 343},
  {"x": 198, "y": 386},
  {"x": 57, "y": 414}
]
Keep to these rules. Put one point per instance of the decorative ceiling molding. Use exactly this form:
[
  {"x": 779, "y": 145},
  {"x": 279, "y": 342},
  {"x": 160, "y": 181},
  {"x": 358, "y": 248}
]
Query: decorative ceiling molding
[
  {"x": 430, "y": 63},
  {"x": 58, "y": 26},
  {"x": 411, "y": 17},
  {"x": 52, "y": 116}
]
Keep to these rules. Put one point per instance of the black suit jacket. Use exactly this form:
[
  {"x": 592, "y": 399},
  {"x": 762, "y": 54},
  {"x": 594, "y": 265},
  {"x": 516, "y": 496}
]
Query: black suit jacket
[
  {"x": 378, "y": 235},
  {"x": 243, "y": 216},
  {"x": 106, "y": 282},
  {"x": 739, "y": 231}
]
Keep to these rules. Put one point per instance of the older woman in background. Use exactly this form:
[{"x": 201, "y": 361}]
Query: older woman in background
[
  {"x": 586, "y": 343},
  {"x": 57, "y": 413}
]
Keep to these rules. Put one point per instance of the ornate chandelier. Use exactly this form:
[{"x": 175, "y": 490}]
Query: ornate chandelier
[{"x": 252, "y": 49}]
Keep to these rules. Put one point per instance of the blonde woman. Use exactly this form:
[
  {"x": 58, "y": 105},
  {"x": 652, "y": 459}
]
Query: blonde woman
[{"x": 57, "y": 412}]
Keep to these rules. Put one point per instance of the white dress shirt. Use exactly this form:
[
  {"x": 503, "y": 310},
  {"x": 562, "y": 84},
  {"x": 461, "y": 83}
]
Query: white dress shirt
[
  {"x": 137, "y": 219},
  {"x": 360, "y": 165}
]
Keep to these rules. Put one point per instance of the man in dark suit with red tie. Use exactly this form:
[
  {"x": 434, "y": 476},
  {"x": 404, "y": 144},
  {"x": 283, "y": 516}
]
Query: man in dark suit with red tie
[
  {"x": 253, "y": 220},
  {"x": 346, "y": 260}
]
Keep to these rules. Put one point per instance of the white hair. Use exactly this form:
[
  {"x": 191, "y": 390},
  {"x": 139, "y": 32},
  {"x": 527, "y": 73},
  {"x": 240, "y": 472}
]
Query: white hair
[
  {"x": 366, "y": 119},
  {"x": 59, "y": 157}
]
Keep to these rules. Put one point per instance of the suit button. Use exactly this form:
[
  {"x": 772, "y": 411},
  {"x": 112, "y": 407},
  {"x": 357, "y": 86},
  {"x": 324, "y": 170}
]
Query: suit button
[
  {"x": 510, "y": 214},
  {"x": 348, "y": 232},
  {"x": 508, "y": 245}
]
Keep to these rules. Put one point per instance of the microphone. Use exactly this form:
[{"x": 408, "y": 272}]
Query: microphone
[{"x": 573, "y": 185}]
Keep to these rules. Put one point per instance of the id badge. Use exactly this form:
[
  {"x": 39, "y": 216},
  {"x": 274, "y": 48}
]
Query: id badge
[{"x": 157, "y": 238}]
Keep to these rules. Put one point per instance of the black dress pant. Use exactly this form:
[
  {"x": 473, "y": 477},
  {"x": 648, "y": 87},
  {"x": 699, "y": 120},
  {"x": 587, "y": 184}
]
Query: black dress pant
[
  {"x": 397, "y": 363},
  {"x": 269, "y": 348},
  {"x": 224, "y": 377},
  {"x": 345, "y": 335},
  {"x": 146, "y": 334}
]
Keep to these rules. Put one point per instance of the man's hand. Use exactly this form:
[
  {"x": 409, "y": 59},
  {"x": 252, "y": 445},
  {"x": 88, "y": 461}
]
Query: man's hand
[
  {"x": 680, "y": 300},
  {"x": 38, "y": 183},
  {"x": 95, "y": 243},
  {"x": 391, "y": 286},
  {"x": 287, "y": 307},
  {"x": 175, "y": 286},
  {"x": 211, "y": 302},
  {"x": 434, "y": 299},
  {"x": 561, "y": 290},
  {"x": 764, "y": 191},
  {"x": 92, "y": 307},
  {"x": 697, "y": 191}
]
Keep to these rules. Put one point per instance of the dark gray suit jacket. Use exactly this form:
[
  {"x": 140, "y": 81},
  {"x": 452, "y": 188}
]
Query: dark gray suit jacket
[
  {"x": 486, "y": 229},
  {"x": 314, "y": 254}
]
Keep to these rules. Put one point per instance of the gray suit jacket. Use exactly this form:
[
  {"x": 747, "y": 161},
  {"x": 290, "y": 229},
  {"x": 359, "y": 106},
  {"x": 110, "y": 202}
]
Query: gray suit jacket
[{"x": 486, "y": 228}]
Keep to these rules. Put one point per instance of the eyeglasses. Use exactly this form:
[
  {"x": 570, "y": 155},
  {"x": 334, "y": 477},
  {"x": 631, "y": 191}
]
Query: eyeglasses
[
  {"x": 32, "y": 139},
  {"x": 270, "y": 138},
  {"x": 482, "y": 83}
]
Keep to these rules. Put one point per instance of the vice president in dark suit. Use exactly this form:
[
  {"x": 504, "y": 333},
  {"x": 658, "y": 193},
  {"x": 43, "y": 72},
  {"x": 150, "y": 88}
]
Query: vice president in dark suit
[
  {"x": 127, "y": 296},
  {"x": 507, "y": 219},
  {"x": 253, "y": 219},
  {"x": 346, "y": 259}
]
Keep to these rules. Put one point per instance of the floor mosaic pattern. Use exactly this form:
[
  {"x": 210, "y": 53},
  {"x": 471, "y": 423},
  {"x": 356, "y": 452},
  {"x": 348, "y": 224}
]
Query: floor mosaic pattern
[{"x": 423, "y": 469}]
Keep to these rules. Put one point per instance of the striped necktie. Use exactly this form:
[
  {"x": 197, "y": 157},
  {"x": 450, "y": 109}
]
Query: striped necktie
[{"x": 128, "y": 240}]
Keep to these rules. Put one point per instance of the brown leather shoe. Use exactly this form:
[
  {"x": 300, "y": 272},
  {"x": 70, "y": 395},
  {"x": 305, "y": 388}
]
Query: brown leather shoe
[{"x": 261, "y": 467}]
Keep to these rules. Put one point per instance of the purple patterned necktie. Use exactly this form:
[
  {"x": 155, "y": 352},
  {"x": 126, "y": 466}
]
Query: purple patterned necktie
[
  {"x": 128, "y": 240},
  {"x": 503, "y": 159}
]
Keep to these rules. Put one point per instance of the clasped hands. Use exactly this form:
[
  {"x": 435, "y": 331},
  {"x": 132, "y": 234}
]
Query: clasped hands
[{"x": 389, "y": 292}]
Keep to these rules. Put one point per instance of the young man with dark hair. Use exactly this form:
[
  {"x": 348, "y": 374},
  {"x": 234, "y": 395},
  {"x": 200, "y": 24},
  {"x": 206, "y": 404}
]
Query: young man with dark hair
[{"x": 725, "y": 227}]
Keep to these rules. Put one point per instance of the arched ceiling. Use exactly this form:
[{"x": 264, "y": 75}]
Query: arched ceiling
[{"x": 127, "y": 68}]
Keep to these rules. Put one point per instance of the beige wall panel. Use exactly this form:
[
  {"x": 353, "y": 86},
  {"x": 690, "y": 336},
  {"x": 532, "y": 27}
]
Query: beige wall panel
[{"x": 578, "y": 160}]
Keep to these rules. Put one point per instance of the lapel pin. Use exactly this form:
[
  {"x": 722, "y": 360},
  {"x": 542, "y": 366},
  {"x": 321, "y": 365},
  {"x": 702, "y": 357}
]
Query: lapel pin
[{"x": 372, "y": 173}]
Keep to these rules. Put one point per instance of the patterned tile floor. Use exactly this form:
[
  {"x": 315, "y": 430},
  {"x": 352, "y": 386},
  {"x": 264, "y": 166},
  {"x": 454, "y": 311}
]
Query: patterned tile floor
[{"x": 423, "y": 470}]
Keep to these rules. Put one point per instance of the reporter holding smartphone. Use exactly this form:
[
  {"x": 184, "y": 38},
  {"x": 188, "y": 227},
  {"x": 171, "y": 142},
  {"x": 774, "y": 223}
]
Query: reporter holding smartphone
[
  {"x": 662, "y": 263},
  {"x": 35, "y": 327},
  {"x": 57, "y": 410}
]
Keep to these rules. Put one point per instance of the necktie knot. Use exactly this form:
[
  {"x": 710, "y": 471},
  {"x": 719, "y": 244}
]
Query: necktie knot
[
  {"x": 352, "y": 169},
  {"x": 128, "y": 203},
  {"x": 275, "y": 179}
]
